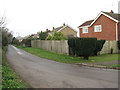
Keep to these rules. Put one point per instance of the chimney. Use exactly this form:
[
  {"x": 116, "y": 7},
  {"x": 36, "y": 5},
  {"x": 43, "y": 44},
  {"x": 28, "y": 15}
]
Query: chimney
[
  {"x": 38, "y": 32},
  {"x": 46, "y": 30},
  {"x": 63, "y": 24},
  {"x": 111, "y": 11},
  {"x": 53, "y": 28}
]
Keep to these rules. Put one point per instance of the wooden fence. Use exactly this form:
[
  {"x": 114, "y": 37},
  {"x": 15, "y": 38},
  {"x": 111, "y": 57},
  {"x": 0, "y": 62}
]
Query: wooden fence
[
  {"x": 57, "y": 46},
  {"x": 61, "y": 46}
]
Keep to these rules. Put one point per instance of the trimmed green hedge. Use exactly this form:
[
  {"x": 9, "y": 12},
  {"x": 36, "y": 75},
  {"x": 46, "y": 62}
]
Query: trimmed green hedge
[
  {"x": 72, "y": 45},
  {"x": 119, "y": 44},
  {"x": 84, "y": 47},
  {"x": 99, "y": 46}
]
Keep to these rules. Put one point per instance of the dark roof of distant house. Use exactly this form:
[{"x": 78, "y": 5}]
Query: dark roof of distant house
[
  {"x": 58, "y": 28},
  {"x": 113, "y": 15},
  {"x": 86, "y": 23}
]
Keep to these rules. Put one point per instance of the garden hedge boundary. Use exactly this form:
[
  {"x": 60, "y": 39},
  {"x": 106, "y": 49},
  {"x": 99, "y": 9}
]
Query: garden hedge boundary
[{"x": 84, "y": 47}]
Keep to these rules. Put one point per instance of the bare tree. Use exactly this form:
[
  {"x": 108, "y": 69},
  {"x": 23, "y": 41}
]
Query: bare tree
[
  {"x": 3, "y": 21},
  {"x": 5, "y": 35}
]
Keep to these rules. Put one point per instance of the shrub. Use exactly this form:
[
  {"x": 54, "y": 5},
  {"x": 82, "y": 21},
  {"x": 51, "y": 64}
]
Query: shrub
[
  {"x": 43, "y": 35},
  {"x": 99, "y": 46},
  {"x": 4, "y": 40},
  {"x": 82, "y": 46},
  {"x": 56, "y": 36},
  {"x": 111, "y": 50},
  {"x": 49, "y": 37},
  {"x": 27, "y": 42},
  {"x": 86, "y": 47},
  {"x": 6, "y": 36},
  {"x": 71, "y": 43},
  {"x": 119, "y": 44},
  {"x": 15, "y": 41}
]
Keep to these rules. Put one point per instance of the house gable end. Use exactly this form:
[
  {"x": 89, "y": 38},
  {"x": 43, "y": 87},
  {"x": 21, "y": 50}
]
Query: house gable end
[
  {"x": 101, "y": 13},
  {"x": 65, "y": 27},
  {"x": 67, "y": 31}
]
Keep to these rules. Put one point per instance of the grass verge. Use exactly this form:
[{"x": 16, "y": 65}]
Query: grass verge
[
  {"x": 68, "y": 59},
  {"x": 9, "y": 78},
  {"x": 115, "y": 66}
]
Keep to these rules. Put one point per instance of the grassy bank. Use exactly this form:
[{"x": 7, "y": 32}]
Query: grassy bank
[
  {"x": 9, "y": 78},
  {"x": 115, "y": 66},
  {"x": 68, "y": 59}
]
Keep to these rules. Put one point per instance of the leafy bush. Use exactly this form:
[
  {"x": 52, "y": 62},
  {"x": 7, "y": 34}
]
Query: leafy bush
[
  {"x": 111, "y": 50},
  {"x": 49, "y": 37},
  {"x": 99, "y": 46},
  {"x": 56, "y": 36},
  {"x": 43, "y": 35},
  {"x": 6, "y": 36},
  {"x": 27, "y": 42},
  {"x": 15, "y": 41},
  {"x": 4, "y": 40},
  {"x": 83, "y": 46}
]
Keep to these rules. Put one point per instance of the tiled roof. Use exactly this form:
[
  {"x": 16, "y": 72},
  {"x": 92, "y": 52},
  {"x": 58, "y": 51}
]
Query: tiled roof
[
  {"x": 113, "y": 15},
  {"x": 58, "y": 28},
  {"x": 86, "y": 23}
]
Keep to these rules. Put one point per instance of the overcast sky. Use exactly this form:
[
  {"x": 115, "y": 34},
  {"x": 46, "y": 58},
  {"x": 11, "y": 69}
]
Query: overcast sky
[{"x": 26, "y": 17}]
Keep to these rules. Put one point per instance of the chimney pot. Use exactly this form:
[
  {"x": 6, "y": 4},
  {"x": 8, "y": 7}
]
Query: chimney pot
[
  {"x": 46, "y": 29},
  {"x": 111, "y": 11}
]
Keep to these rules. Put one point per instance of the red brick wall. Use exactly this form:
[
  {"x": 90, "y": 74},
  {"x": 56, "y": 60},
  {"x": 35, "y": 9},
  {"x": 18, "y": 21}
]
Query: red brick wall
[
  {"x": 108, "y": 29},
  {"x": 119, "y": 31}
]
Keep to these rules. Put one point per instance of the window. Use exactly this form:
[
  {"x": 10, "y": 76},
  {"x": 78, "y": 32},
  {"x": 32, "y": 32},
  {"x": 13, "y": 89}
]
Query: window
[
  {"x": 97, "y": 28},
  {"x": 85, "y": 30}
]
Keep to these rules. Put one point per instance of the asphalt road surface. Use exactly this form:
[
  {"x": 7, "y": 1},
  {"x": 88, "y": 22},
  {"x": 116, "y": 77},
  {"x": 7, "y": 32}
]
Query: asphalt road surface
[{"x": 44, "y": 73}]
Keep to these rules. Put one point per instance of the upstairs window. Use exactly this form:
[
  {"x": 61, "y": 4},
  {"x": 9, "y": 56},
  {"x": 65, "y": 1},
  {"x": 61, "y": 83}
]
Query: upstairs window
[
  {"x": 85, "y": 30},
  {"x": 97, "y": 28}
]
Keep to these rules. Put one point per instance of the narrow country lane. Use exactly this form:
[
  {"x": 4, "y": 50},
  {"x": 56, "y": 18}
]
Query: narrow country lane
[{"x": 43, "y": 73}]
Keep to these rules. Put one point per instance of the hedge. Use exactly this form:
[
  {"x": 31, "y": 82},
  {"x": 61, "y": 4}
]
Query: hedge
[
  {"x": 99, "y": 46},
  {"x": 119, "y": 44},
  {"x": 82, "y": 46},
  {"x": 72, "y": 42},
  {"x": 43, "y": 35}
]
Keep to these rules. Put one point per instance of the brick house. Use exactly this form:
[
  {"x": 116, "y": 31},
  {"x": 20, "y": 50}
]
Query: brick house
[
  {"x": 104, "y": 26},
  {"x": 66, "y": 30}
]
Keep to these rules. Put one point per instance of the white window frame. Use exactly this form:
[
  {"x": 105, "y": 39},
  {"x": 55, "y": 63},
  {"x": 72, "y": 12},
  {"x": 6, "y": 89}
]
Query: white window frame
[
  {"x": 85, "y": 30},
  {"x": 98, "y": 28}
]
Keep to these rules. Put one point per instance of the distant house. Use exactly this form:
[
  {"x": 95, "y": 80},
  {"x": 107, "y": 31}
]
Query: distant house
[
  {"x": 104, "y": 26},
  {"x": 19, "y": 38},
  {"x": 65, "y": 29},
  {"x": 35, "y": 36}
]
